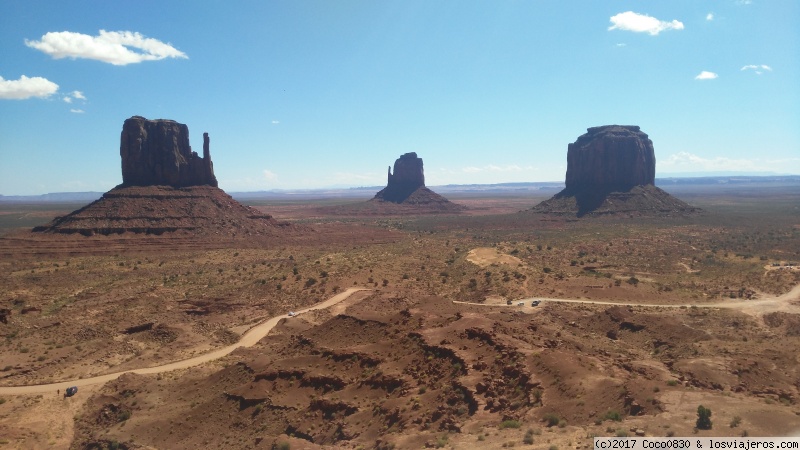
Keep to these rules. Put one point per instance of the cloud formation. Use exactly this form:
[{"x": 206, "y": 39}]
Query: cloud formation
[
  {"x": 710, "y": 16},
  {"x": 688, "y": 161},
  {"x": 26, "y": 88},
  {"x": 642, "y": 23},
  {"x": 706, "y": 75},
  {"x": 270, "y": 176},
  {"x": 77, "y": 111},
  {"x": 758, "y": 68},
  {"x": 119, "y": 48},
  {"x": 74, "y": 95}
]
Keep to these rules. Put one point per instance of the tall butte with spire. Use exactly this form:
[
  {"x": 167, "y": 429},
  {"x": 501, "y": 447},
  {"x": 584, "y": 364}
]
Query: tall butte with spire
[
  {"x": 406, "y": 187},
  {"x": 166, "y": 188}
]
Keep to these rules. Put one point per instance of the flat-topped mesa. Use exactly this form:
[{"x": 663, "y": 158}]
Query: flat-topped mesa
[
  {"x": 157, "y": 153},
  {"x": 610, "y": 158},
  {"x": 408, "y": 177},
  {"x": 611, "y": 170}
]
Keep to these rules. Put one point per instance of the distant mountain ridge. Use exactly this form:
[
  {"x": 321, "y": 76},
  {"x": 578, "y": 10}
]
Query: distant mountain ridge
[{"x": 368, "y": 191}]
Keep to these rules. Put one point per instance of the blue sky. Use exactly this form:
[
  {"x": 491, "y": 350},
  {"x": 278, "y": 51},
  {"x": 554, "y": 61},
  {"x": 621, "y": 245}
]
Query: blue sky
[{"x": 309, "y": 94}]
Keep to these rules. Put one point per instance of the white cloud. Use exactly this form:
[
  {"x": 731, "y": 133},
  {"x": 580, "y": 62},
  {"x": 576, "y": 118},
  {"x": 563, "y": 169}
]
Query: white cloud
[
  {"x": 642, "y": 23},
  {"x": 706, "y": 75},
  {"x": 26, "y": 88},
  {"x": 758, "y": 68},
  {"x": 74, "y": 95},
  {"x": 685, "y": 161},
  {"x": 710, "y": 16},
  {"x": 77, "y": 111},
  {"x": 745, "y": 2},
  {"x": 275, "y": 122},
  {"x": 115, "y": 47},
  {"x": 270, "y": 176},
  {"x": 622, "y": 44}
]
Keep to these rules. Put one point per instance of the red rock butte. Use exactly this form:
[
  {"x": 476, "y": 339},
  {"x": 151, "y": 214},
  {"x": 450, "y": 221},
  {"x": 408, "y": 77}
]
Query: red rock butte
[
  {"x": 611, "y": 170},
  {"x": 166, "y": 188},
  {"x": 157, "y": 153},
  {"x": 406, "y": 187}
]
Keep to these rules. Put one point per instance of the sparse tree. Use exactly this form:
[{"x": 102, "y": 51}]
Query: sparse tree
[{"x": 703, "y": 418}]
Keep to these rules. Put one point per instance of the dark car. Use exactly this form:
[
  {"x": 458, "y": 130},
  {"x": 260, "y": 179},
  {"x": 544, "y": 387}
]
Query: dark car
[
  {"x": 535, "y": 303},
  {"x": 71, "y": 391}
]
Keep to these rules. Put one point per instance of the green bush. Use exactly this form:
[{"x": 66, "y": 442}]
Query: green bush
[
  {"x": 510, "y": 424},
  {"x": 551, "y": 419},
  {"x": 528, "y": 439},
  {"x": 703, "y": 418}
]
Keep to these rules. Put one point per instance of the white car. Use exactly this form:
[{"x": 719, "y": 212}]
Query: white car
[{"x": 292, "y": 313}]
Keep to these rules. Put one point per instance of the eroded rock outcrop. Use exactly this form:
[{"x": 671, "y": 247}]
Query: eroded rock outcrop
[
  {"x": 405, "y": 191},
  {"x": 610, "y": 158},
  {"x": 167, "y": 188},
  {"x": 611, "y": 170},
  {"x": 408, "y": 176},
  {"x": 157, "y": 153}
]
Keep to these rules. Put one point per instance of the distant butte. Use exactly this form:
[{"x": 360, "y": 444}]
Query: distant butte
[
  {"x": 166, "y": 188},
  {"x": 611, "y": 170},
  {"x": 407, "y": 187}
]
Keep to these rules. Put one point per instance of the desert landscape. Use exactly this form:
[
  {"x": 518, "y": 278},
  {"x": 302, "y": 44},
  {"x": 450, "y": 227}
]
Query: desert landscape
[{"x": 189, "y": 320}]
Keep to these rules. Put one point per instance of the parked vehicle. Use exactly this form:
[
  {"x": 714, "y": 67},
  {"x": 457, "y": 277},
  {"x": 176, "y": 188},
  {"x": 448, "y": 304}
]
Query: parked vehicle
[
  {"x": 292, "y": 313},
  {"x": 71, "y": 391},
  {"x": 535, "y": 303}
]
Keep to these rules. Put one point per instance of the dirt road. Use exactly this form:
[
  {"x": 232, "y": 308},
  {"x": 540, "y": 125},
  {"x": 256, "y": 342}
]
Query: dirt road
[
  {"x": 754, "y": 307},
  {"x": 249, "y": 339}
]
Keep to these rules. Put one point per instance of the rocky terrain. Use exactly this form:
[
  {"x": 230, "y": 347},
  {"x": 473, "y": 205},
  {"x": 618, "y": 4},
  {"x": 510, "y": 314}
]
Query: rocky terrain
[
  {"x": 611, "y": 170},
  {"x": 431, "y": 355}
]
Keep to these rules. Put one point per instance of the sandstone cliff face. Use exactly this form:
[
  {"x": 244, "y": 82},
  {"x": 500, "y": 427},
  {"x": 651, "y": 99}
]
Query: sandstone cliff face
[
  {"x": 610, "y": 158},
  {"x": 157, "y": 153},
  {"x": 611, "y": 170},
  {"x": 408, "y": 177}
]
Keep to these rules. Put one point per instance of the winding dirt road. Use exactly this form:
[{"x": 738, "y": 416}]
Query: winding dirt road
[
  {"x": 753, "y": 307},
  {"x": 249, "y": 339}
]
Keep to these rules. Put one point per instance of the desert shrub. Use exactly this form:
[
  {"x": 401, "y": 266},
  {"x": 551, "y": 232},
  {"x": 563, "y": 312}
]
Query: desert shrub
[
  {"x": 551, "y": 419},
  {"x": 311, "y": 281},
  {"x": 703, "y": 418},
  {"x": 633, "y": 280},
  {"x": 510, "y": 424},
  {"x": 284, "y": 446},
  {"x": 613, "y": 415},
  {"x": 528, "y": 439},
  {"x": 736, "y": 421}
]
